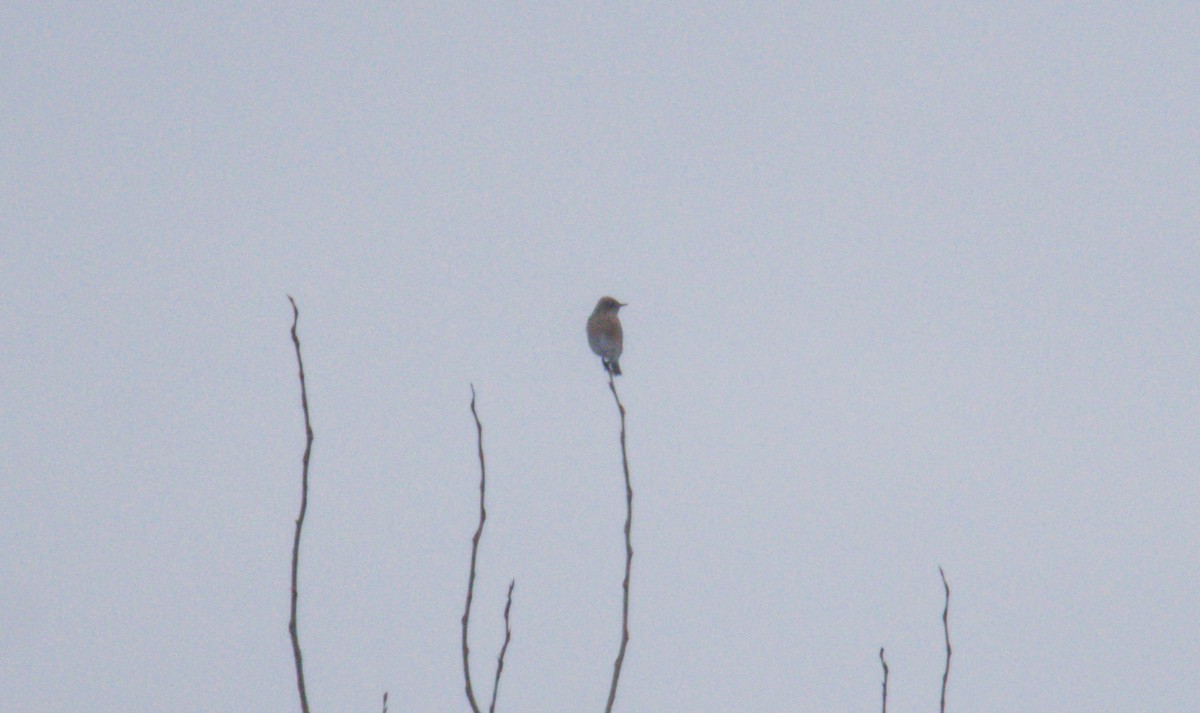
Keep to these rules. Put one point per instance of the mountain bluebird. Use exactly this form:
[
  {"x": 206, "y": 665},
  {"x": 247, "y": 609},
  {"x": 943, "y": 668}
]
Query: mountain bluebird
[{"x": 604, "y": 333}]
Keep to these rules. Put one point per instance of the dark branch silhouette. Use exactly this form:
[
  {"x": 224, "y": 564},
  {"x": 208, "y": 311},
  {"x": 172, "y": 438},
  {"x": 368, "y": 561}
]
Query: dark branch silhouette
[
  {"x": 946, "y": 629},
  {"x": 504, "y": 648},
  {"x": 883, "y": 661},
  {"x": 300, "y": 519},
  {"x": 385, "y": 702},
  {"x": 466, "y": 618},
  {"x": 612, "y": 692}
]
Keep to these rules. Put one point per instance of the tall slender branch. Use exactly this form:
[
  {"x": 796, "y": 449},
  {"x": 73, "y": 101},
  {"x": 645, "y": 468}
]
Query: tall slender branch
[
  {"x": 883, "y": 661},
  {"x": 466, "y": 617},
  {"x": 946, "y": 629},
  {"x": 385, "y": 702},
  {"x": 504, "y": 648},
  {"x": 612, "y": 691},
  {"x": 300, "y": 519}
]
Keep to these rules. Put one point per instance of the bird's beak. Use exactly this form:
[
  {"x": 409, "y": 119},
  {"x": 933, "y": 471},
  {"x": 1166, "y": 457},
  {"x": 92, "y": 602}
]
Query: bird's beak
[{"x": 622, "y": 304}]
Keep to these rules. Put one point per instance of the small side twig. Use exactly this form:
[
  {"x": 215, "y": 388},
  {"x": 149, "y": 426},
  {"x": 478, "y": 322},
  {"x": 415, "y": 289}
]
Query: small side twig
[
  {"x": 504, "y": 648},
  {"x": 612, "y": 692},
  {"x": 883, "y": 661},
  {"x": 385, "y": 702},
  {"x": 292, "y": 629},
  {"x": 946, "y": 629},
  {"x": 466, "y": 617}
]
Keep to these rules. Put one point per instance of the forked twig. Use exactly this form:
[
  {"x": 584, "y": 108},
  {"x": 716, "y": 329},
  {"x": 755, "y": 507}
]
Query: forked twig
[
  {"x": 612, "y": 692},
  {"x": 300, "y": 519},
  {"x": 466, "y": 617}
]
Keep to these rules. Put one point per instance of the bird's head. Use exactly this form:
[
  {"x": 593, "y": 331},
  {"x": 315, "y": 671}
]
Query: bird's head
[{"x": 608, "y": 304}]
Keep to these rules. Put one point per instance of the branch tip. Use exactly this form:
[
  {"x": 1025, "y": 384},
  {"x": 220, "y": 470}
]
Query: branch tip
[
  {"x": 292, "y": 624},
  {"x": 883, "y": 661},
  {"x": 504, "y": 648},
  {"x": 946, "y": 629}
]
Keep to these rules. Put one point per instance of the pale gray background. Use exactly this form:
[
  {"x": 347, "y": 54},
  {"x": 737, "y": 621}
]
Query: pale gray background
[{"x": 908, "y": 286}]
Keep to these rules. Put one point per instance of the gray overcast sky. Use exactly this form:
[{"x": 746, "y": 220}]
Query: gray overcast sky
[{"x": 909, "y": 285}]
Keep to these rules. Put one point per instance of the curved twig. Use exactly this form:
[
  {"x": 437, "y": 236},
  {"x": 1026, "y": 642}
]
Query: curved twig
[
  {"x": 883, "y": 661},
  {"x": 300, "y": 519},
  {"x": 504, "y": 648},
  {"x": 946, "y": 629},
  {"x": 466, "y": 617},
  {"x": 612, "y": 692}
]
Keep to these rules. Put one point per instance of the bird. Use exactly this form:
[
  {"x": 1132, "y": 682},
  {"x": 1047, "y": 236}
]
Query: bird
[{"x": 604, "y": 334}]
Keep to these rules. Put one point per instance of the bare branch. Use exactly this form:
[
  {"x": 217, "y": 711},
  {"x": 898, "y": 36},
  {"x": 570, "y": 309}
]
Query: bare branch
[
  {"x": 946, "y": 628},
  {"x": 385, "y": 702},
  {"x": 504, "y": 648},
  {"x": 466, "y": 617},
  {"x": 883, "y": 661},
  {"x": 300, "y": 519},
  {"x": 612, "y": 692}
]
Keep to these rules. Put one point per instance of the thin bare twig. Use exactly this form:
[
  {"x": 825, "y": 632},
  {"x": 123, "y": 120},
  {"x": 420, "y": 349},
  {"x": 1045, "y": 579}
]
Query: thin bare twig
[
  {"x": 385, "y": 702},
  {"x": 466, "y": 617},
  {"x": 883, "y": 661},
  {"x": 300, "y": 519},
  {"x": 612, "y": 692},
  {"x": 504, "y": 648},
  {"x": 946, "y": 628}
]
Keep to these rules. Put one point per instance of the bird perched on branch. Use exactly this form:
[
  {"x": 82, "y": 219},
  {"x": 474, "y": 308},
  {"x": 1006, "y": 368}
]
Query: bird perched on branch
[{"x": 604, "y": 334}]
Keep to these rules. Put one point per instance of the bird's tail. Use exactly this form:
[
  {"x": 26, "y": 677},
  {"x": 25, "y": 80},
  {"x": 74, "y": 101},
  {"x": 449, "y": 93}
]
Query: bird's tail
[{"x": 614, "y": 367}]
